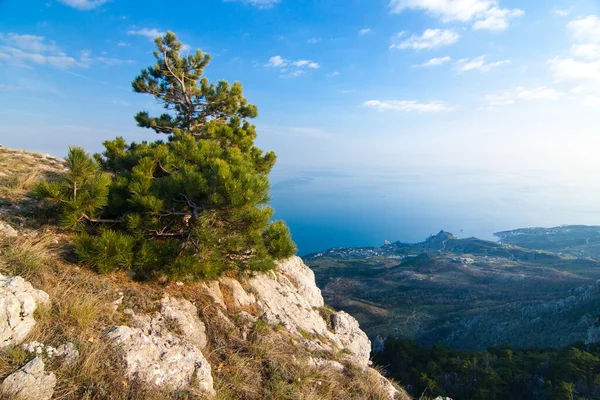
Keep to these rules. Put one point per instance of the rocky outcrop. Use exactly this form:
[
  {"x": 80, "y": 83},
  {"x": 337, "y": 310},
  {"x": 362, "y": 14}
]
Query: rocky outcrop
[
  {"x": 7, "y": 231},
  {"x": 29, "y": 383},
  {"x": 184, "y": 315},
  {"x": 351, "y": 336},
  {"x": 18, "y": 301},
  {"x": 152, "y": 353},
  {"x": 282, "y": 302}
]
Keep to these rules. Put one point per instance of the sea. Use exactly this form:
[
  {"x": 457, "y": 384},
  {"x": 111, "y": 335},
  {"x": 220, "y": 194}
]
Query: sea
[{"x": 331, "y": 208}]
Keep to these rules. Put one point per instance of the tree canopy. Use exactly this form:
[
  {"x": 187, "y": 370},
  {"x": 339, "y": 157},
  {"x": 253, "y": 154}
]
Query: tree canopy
[{"x": 192, "y": 206}]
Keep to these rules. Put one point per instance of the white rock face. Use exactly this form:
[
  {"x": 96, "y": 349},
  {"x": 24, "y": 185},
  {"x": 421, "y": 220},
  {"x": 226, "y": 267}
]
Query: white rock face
[
  {"x": 155, "y": 355},
  {"x": 30, "y": 382},
  {"x": 18, "y": 301},
  {"x": 239, "y": 296},
  {"x": 283, "y": 302},
  {"x": 185, "y": 315},
  {"x": 304, "y": 278},
  {"x": 351, "y": 336},
  {"x": 7, "y": 231}
]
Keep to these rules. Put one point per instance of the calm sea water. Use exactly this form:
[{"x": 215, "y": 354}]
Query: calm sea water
[{"x": 326, "y": 209}]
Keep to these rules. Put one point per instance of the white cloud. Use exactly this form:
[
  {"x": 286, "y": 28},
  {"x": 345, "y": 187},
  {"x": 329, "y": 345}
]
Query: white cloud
[
  {"x": 585, "y": 32},
  {"x": 123, "y": 44},
  {"x": 406, "y": 105},
  {"x": 478, "y": 64},
  {"x": 147, "y": 32},
  {"x": 277, "y": 61},
  {"x": 430, "y": 39},
  {"x": 434, "y": 62},
  {"x": 83, "y": 5},
  {"x": 364, "y": 31},
  {"x": 256, "y": 3},
  {"x": 585, "y": 29},
  {"x": 590, "y": 51},
  {"x": 291, "y": 69},
  {"x": 496, "y": 19},
  {"x": 486, "y": 14},
  {"x": 29, "y": 50},
  {"x": 570, "y": 70},
  {"x": 334, "y": 73},
  {"x": 314, "y": 40},
  {"x": 510, "y": 98},
  {"x": 562, "y": 13},
  {"x": 306, "y": 63}
]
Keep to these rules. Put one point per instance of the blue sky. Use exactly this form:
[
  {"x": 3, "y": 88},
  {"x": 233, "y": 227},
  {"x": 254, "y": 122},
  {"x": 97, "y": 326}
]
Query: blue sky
[{"x": 361, "y": 87}]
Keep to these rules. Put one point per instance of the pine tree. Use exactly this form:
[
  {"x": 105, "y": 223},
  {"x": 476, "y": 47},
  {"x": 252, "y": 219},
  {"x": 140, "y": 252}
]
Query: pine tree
[{"x": 195, "y": 204}]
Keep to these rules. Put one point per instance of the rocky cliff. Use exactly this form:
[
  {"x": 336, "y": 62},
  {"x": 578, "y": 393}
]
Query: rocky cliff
[{"x": 68, "y": 333}]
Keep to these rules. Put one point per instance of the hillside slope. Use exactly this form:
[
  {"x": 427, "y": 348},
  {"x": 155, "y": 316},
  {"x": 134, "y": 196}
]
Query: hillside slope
[
  {"x": 466, "y": 293},
  {"x": 69, "y": 333}
]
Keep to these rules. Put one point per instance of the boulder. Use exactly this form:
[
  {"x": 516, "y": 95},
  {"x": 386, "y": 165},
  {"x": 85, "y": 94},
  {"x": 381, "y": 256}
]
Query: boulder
[
  {"x": 153, "y": 354},
  {"x": 18, "y": 301},
  {"x": 162, "y": 361},
  {"x": 67, "y": 353},
  {"x": 348, "y": 331},
  {"x": 30, "y": 382},
  {"x": 185, "y": 316},
  {"x": 7, "y": 231}
]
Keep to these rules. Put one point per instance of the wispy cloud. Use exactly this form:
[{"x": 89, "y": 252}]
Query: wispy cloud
[
  {"x": 314, "y": 40},
  {"x": 84, "y": 5},
  {"x": 430, "y": 39},
  {"x": 332, "y": 74},
  {"x": 406, "y": 105},
  {"x": 562, "y": 12},
  {"x": 150, "y": 33},
  {"x": 289, "y": 68},
  {"x": 365, "y": 31},
  {"x": 478, "y": 64},
  {"x": 255, "y": 3},
  {"x": 510, "y": 98},
  {"x": 484, "y": 14},
  {"x": 30, "y": 50},
  {"x": 434, "y": 62}
]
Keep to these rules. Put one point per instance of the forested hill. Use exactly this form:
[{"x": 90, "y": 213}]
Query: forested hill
[{"x": 469, "y": 293}]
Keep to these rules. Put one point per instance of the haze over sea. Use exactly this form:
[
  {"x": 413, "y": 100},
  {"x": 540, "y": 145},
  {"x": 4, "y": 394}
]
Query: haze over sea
[{"x": 326, "y": 209}]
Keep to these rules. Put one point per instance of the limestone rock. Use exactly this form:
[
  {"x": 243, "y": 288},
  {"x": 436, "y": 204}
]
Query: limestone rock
[
  {"x": 18, "y": 301},
  {"x": 67, "y": 353},
  {"x": 323, "y": 363},
  {"x": 185, "y": 315},
  {"x": 214, "y": 291},
  {"x": 156, "y": 356},
  {"x": 239, "y": 296},
  {"x": 304, "y": 278},
  {"x": 282, "y": 301},
  {"x": 7, "y": 231},
  {"x": 387, "y": 386},
  {"x": 348, "y": 331},
  {"x": 30, "y": 382}
]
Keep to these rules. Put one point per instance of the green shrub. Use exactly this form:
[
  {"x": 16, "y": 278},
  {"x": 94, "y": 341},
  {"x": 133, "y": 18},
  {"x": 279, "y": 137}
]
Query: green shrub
[{"x": 107, "y": 252}]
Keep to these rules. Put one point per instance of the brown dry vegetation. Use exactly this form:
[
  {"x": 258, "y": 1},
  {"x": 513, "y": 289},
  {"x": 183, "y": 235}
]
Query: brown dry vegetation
[{"x": 249, "y": 360}]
